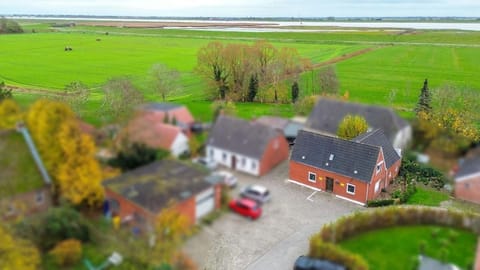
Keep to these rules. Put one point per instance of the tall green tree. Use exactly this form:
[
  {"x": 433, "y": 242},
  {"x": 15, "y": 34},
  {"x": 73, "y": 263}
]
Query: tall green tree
[
  {"x": 424, "y": 100},
  {"x": 351, "y": 126},
  {"x": 252, "y": 88},
  {"x": 120, "y": 98},
  {"x": 295, "y": 91},
  {"x": 134, "y": 155}
]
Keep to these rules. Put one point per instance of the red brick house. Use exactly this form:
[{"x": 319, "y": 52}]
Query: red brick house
[
  {"x": 159, "y": 112},
  {"x": 355, "y": 170},
  {"x": 467, "y": 180},
  {"x": 139, "y": 196},
  {"x": 244, "y": 146}
]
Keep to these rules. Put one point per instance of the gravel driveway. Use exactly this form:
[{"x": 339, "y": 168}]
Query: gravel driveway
[{"x": 277, "y": 238}]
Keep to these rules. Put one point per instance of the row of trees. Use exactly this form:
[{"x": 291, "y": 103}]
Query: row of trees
[
  {"x": 8, "y": 26},
  {"x": 246, "y": 73}
]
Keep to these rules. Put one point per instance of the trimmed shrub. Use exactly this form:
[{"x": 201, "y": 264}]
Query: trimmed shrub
[
  {"x": 67, "y": 252},
  {"x": 379, "y": 203},
  {"x": 333, "y": 253}
]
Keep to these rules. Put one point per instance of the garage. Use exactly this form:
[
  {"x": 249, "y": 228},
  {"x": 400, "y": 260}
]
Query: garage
[{"x": 205, "y": 203}]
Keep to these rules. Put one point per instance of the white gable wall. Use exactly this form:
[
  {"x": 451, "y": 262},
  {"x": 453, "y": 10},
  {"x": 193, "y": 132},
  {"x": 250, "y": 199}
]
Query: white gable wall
[
  {"x": 179, "y": 145},
  {"x": 224, "y": 157}
]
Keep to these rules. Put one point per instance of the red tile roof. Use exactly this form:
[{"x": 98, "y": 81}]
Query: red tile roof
[{"x": 153, "y": 133}]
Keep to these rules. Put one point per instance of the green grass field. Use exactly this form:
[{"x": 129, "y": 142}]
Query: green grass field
[
  {"x": 427, "y": 196},
  {"x": 396, "y": 248},
  {"x": 38, "y": 60}
]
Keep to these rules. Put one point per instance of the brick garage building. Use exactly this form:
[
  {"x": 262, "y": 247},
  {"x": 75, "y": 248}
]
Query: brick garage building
[
  {"x": 353, "y": 170},
  {"x": 467, "y": 180},
  {"x": 245, "y": 146},
  {"x": 139, "y": 196}
]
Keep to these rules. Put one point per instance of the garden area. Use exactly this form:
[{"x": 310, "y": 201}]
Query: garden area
[
  {"x": 394, "y": 237},
  {"x": 404, "y": 244}
]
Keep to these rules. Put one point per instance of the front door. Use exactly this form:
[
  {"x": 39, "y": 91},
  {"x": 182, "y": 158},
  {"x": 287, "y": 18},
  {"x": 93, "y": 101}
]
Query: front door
[
  {"x": 234, "y": 162},
  {"x": 329, "y": 184}
]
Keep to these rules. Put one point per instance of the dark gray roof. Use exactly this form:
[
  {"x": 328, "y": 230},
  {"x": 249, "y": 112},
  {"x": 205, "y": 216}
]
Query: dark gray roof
[
  {"x": 468, "y": 167},
  {"x": 378, "y": 138},
  {"x": 292, "y": 129},
  {"x": 154, "y": 185},
  {"x": 328, "y": 113},
  {"x": 160, "y": 106},
  {"x": 240, "y": 136},
  {"x": 348, "y": 158}
]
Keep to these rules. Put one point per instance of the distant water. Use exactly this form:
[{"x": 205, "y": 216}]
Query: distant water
[{"x": 270, "y": 25}]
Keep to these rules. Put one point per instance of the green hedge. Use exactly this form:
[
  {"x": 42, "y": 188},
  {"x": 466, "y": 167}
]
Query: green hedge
[
  {"x": 379, "y": 203},
  {"x": 334, "y": 253}
]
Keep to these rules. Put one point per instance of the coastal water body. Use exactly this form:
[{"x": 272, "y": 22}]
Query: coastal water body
[{"x": 265, "y": 26}]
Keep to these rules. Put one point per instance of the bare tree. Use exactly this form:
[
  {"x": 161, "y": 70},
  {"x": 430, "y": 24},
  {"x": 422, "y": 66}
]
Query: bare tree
[
  {"x": 76, "y": 95},
  {"x": 211, "y": 65},
  {"x": 120, "y": 98},
  {"x": 328, "y": 80},
  {"x": 164, "y": 80}
]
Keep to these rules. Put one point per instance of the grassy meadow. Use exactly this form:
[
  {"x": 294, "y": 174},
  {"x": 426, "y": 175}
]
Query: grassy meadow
[{"x": 392, "y": 74}]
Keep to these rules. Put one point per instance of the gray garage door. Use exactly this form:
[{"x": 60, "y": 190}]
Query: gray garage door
[{"x": 205, "y": 203}]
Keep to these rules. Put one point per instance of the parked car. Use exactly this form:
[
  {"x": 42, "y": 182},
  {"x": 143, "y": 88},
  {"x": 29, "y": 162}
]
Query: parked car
[
  {"x": 228, "y": 178},
  {"x": 208, "y": 163},
  {"x": 246, "y": 207},
  {"x": 307, "y": 263},
  {"x": 257, "y": 193}
]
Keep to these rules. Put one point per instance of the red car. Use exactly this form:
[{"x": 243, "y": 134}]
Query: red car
[{"x": 246, "y": 207}]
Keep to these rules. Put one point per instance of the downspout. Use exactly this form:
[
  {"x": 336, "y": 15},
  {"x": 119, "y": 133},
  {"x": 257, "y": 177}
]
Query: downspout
[{"x": 33, "y": 150}]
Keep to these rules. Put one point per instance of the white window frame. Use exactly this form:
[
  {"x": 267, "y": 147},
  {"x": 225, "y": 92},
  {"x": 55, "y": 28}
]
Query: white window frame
[
  {"x": 315, "y": 176},
  {"x": 379, "y": 167},
  {"x": 377, "y": 186},
  {"x": 351, "y": 185}
]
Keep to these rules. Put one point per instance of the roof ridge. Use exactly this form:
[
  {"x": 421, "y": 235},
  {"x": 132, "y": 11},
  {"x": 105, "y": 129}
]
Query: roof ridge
[{"x": 317, "y": 133}]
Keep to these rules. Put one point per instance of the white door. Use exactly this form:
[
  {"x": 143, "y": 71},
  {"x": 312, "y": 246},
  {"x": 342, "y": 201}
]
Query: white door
[{"x": 205, "y": 203}]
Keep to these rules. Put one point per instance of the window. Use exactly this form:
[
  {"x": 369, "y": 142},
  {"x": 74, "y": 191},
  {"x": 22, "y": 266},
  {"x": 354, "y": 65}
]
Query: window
[
  {"x": 379, "y": 167},
  {"x": 377, "y": 187},
  {"x": 312, "y": 177},
  {"x": 244, "y": 161},
  {"x": 211, "y": 153},
  {"x": 254, "y": 165},
  {"x": 467, "y": 185},
  {"x": 224, "y": 156},
  {"x": 350, "y": 189},
  {"x": 331, "y": 157},
  {"x": 39, "y": 197}
]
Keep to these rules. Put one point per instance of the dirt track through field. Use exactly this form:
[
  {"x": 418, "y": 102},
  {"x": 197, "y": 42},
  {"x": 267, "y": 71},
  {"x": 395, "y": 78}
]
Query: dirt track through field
[{"x": 345, "y": 57}]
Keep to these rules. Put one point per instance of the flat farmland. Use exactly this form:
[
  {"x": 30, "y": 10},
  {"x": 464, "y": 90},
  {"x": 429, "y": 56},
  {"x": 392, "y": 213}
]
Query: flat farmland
[{"x": 398, "y": 64}]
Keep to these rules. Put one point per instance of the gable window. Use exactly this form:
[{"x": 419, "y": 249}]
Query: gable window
[
  {"x": 350, "y": 189},
  {"x": 312, "y": 177},
  {"x": 331, "y": 157},
  {"x": 379, "y": 167}
]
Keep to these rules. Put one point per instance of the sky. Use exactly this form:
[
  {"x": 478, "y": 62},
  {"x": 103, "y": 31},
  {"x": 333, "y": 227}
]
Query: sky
[{"x": 246, "y": 8}]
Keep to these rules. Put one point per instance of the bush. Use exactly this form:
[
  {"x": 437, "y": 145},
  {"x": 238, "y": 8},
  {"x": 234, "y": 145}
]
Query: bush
[
  {"x": 333, "y": 253},
  {"x": 378, "y": 203},
  {"x": 67, "y": 252}
]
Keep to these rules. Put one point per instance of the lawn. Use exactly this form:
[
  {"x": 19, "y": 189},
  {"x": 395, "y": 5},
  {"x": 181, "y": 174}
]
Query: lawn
[
  {"x": 38, "y": 60},
  {"x": 18, "y": 172},
  {"x": 396, "y": 248},
  {"x": 427, "y": 196}
]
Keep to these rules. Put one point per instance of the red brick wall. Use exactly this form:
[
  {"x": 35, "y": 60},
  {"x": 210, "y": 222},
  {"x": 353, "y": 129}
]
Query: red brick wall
[
  {"x": 273, "y": 156},
  {"x": 128, "y": 208},
  {"x": 218, "y": 196},
  {"x": 299, "y": 173},
  {"x": 468, "y": 189},
  {"x": 187, "y": 208}
]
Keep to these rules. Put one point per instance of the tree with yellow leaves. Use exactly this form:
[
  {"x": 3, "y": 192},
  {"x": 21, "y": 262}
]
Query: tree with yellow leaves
[
  {"x": 171, "y": 227},
  {"x": 17, "y": 253},
  {"x": 351, "y": 126},
  {"x": 68, "y": 155},
  {"x": 10, "y": 113},
  {"x": 79, "y": 175}
]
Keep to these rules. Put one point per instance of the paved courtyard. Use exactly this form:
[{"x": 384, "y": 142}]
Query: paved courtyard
[{"x": 277, "y": 238}]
